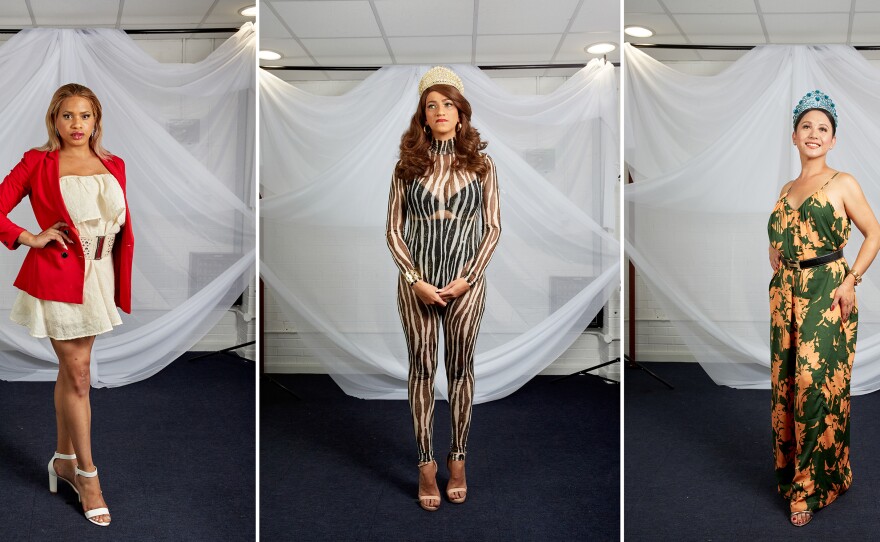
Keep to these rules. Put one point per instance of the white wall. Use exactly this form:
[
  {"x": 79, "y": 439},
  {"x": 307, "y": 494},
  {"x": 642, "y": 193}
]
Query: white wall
[{"x": 284, "y": 352}]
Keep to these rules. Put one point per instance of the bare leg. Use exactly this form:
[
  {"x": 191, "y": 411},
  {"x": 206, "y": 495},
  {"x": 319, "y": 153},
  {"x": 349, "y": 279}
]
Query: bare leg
[{"x": 73, "y": 414}]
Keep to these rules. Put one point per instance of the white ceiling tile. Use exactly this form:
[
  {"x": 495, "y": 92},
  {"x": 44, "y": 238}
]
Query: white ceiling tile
[
  {"x": 642, "y": 6},
  {"x": 663, "y": 27},
  {"x": 411, "y": 18},
  {"x": 226, "y": 12},
  {"x": 597, "y": 16},
  {"x": 329, "y": 19},
  {"x": 867, "y": 5},
  {"x": 289, "y": 50},
  {"x": 805, "y": 6},
  {"x": 807, "y": 28},
  {"x": 345, "y": 51},
  {"x": 516, "y": 49},
  {"x": 456, "y": 49},
  {"x": 524, "y": 16},
  {"x": 15, "y": 14},
  {"x": 572, "y": 49},
  {"x": 144, "y": 12},
  {"x": 713, "y": 29},
  {"x": 65, "y": 13},
  {"x": 713, "y": 7},
  {"x": 270, "y": 25},
  {"x": 865, "y": 29}
]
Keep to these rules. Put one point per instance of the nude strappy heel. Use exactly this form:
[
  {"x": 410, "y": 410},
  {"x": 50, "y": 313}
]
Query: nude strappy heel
[
  {"x": 53, "y": 476},
  {"x": 451, "y": 490},
  {"x": 809, "y": 518},
  {"x": 424, "y": 499},
  {"x": 91, "y": 514}
]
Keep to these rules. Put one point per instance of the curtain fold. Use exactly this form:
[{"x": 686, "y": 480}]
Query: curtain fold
[
  {"x": 709, "y": 156},
  {"x": 186, "y": 133},
  {"x": 326, "y": 165}
]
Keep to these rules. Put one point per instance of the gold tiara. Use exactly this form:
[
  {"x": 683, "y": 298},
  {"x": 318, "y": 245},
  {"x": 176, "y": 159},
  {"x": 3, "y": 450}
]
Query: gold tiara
[{"x": 438, "y": 75}]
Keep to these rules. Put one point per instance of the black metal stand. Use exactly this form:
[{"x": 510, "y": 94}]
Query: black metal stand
[
  {"x": 631, "y": 364},
  {"x": 282, "y": 386},
  {"x": 226, "y": 351},
  {"x": 587, "y": 372}
]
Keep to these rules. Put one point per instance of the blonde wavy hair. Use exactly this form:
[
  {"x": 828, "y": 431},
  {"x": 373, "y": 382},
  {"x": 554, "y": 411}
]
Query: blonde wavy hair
[{"x": 68, "y": 91}]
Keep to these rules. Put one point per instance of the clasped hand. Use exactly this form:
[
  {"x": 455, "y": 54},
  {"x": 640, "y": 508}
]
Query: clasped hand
[{"x": 430, "y": 295}]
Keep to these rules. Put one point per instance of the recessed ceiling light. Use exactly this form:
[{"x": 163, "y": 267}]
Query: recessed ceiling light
[
  {"x": 638, "y": 31},
  {"x": 266, "y": 54},
  {"x": 248, "y": 11},
  {"x": 600, "y": 48}
]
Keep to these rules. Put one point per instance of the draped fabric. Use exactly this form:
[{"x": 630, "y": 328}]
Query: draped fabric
[
  {"x": 186, "y": 133},
  {"x": 326, "y": 166},
  {"x": 709, "y": 156}
]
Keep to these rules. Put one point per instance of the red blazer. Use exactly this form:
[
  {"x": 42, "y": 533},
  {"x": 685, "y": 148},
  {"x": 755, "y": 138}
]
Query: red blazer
[{"x": 54, "y": 273}]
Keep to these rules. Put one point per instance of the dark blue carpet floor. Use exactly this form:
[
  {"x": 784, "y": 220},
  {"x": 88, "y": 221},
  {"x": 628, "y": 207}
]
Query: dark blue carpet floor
[
  {"x": 175, "y": 454},
  {"x": 699, "y": 465},
  {"x": 543, "y": 465}
]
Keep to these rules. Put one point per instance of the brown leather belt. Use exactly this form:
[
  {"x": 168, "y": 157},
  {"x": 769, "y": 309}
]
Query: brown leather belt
[{"x": 812, "y": 262}]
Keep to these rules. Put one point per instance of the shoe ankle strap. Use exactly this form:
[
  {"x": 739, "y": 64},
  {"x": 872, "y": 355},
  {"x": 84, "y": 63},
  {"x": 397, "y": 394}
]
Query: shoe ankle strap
[
  {"x": 63, "y": 456},
  {"x": 85, "y": 474}
]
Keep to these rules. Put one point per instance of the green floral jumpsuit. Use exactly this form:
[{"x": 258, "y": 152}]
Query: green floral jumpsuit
[{"x": 812, "y": 352}]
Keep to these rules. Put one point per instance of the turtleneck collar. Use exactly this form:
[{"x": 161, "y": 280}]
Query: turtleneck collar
[{"x": 443, "y": 147}]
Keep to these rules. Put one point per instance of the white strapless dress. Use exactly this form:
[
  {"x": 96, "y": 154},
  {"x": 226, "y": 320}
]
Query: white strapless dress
[{"x": 97, "y": 207}]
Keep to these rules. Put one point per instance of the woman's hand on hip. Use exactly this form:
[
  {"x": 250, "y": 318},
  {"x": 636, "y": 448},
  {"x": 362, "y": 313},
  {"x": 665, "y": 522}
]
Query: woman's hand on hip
[
  {"x": 56, "y": 232},
  {"x": 428, "y": 293},
  {"x": 775, "y": 258},
  {"x": 845, "y": 298},
  {"x": 456, "y": 288}
]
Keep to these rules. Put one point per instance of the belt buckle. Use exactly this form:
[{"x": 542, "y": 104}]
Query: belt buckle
[
  {"x": 99, "y": 247},
  {"x": 792, "y": 264}
]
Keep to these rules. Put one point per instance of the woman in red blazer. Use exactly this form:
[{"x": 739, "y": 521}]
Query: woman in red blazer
[{"x": 77, "y": 270}]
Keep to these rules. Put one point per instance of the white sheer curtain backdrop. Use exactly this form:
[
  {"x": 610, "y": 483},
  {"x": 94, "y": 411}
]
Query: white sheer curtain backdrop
[
  {"x": 186, "y": 133},
  {"x": 709, "y": 156},
  {"x": 326, "y": 165}
]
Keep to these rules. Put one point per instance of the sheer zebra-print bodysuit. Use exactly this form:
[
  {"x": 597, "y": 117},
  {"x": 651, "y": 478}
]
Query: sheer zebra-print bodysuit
[{"x": 434, "y": 228}]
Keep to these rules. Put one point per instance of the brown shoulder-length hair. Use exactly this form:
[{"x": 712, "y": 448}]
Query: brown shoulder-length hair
[
  {"x": 415, "y": 160},
  {"x": 68, "y": 91}
]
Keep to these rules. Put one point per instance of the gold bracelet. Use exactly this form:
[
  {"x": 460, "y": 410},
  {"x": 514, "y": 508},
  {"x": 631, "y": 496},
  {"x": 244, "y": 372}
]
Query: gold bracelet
[
  {"x": 857, "y": 277},
  {"x": 412, "y": 276}
]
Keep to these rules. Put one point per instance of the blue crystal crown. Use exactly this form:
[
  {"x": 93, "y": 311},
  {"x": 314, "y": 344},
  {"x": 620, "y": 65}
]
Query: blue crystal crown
[{"x": 815, "y": 99}]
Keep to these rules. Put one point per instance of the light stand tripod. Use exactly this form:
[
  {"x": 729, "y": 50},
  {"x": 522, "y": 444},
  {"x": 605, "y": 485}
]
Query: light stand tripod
[
  {"x": 587, "y": 372},
  {"x": 632, "y": 364}
]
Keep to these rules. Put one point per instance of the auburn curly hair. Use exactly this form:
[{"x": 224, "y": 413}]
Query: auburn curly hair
[{"x": 415, "y": 160}]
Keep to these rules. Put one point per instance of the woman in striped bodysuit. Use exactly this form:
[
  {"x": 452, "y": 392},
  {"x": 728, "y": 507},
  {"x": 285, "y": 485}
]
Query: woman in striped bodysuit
[{"x": 442, "y": 188}]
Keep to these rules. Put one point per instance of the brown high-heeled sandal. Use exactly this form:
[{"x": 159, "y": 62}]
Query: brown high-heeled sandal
[
  {"x": 451, "y": 490},
  {"x": 425, "y": 499}
]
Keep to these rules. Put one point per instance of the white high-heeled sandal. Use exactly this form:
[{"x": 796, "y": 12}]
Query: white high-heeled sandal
[
  {"x": 53, "y": 476},
  {"x": 91, "y": 514}
]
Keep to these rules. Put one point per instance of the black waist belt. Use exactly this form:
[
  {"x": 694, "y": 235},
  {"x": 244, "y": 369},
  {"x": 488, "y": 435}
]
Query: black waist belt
[{"x": 812, "y": 262}]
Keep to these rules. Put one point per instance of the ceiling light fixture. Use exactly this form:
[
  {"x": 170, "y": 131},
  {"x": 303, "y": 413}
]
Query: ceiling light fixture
[
  {"x": 248, "y": 11},
  {"x": 638, "y": 31},
  {"x": 600, "y": 48},
  {"x": 266, "y": 54}
]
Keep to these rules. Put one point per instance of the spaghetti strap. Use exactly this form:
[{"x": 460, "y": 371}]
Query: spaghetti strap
[{"x": 829, "y": 180}]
